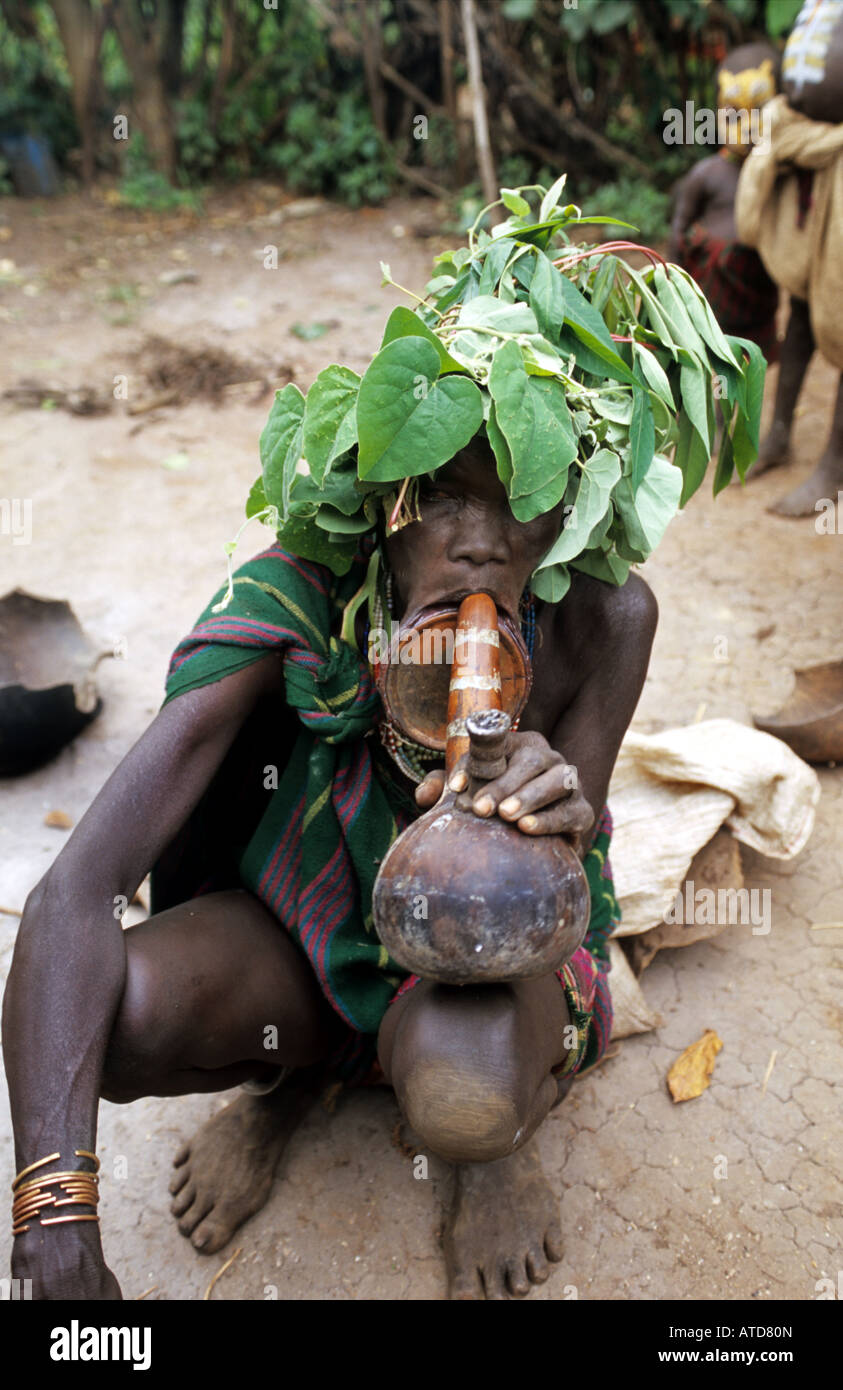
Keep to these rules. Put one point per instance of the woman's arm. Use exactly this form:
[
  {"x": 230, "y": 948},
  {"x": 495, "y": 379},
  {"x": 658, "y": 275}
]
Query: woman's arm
[{"x": 69, "y": 964}]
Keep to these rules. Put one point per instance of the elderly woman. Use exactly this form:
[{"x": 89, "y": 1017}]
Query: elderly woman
[
  {"x": 270, "y": 786},
  {"x": 183, "y": 1002}
]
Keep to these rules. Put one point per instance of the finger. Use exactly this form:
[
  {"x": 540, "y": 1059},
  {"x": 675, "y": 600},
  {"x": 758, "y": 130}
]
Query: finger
[
  {"x": 565, "y": 818},
  {"x": 458, "y": 778},
  {"x": 525, "y": 766},
  {"x": 544, "y": 790},
  {"x": 429, "y": 791}
]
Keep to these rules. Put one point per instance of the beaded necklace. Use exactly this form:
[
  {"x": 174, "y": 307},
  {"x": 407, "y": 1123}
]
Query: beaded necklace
[{"x": 414, "y": 760}]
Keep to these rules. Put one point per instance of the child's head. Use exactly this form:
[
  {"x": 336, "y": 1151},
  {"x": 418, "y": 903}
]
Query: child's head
[{"x": 747, "y": 78}]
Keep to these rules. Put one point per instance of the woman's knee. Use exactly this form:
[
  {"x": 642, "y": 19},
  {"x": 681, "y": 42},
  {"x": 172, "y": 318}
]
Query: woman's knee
[{"x": 459, "y": 1077}]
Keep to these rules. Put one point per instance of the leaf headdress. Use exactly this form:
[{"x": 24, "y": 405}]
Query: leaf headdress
[{"x": 593, "y": 382}]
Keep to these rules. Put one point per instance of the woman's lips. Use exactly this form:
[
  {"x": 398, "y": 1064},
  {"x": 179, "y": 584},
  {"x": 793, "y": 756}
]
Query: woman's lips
[{"x": 417, "y": 616}]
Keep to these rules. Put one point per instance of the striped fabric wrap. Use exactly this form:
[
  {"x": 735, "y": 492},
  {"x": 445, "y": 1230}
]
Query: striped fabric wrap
[{"x": 323, "y": 830}]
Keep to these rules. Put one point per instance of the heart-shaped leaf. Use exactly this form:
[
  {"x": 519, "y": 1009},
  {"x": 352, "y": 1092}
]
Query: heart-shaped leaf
[
  {"x": 281, "y": 446},
  {"x": 534, "y": 417},
  {"x": 330, "y": 418},
  {"x": 409, "y": 422},
  {"x": 403, "y": 323}
]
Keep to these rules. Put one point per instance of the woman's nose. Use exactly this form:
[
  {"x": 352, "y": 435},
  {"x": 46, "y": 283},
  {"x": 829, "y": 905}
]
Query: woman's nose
[{"x": 480, "y": 538}]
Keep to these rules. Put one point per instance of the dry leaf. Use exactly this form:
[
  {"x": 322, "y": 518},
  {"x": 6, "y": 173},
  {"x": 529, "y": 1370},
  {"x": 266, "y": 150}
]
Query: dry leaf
[
  {"x": 690, "y": 1074},
  {"x": 59, "y": 820}
]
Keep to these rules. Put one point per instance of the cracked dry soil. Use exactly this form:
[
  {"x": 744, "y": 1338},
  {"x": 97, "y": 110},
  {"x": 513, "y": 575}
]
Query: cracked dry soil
[{"x": 137, "y": 548}]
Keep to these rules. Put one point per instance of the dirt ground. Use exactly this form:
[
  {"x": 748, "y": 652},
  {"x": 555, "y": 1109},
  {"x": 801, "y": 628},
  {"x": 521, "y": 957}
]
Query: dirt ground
[{"x": 129, "y": 517}]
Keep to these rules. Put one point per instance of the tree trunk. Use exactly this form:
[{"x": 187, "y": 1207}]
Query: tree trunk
[
  {"x": 142, "y": 52},
  {"x": 81, "y": 33},
  {"x": 488, "y": 178}
]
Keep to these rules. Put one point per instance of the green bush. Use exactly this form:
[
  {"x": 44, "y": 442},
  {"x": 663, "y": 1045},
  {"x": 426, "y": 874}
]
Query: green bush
[
  {"x": 336, "y": 151},
  {"x": 636, "y": 201},
  {"x": 144, "y": 188}
]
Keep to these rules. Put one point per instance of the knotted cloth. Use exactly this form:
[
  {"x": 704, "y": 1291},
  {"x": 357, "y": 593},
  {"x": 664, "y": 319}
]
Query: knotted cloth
[
  {"x": 802, "y": 248},
  {"x": 309, "y": 843}
]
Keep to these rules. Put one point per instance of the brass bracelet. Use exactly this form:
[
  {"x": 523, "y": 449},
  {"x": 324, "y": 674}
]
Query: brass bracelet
[
  {"x": 76, "y": 1187},
  {"x": 80, "y": 1153}
]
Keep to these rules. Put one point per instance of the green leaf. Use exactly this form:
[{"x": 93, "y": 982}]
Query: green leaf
[
  {"x": 330, "y": 519},
  {"x": 700, "y": 313},
  {"x": 403, "y": 323},
  {"x": 340, "y": 490},
  {"x": 754, "y": 373},
  {"x": 551, "y": 198},
  {"x": 487, "y": 311},
  {"x": 725, "y": 458},
  {"x": 512, "y": 199},
  {"x": 494, "y": 264},
  {"x": 598, "y": 477},
  {"x": 330, "y": 418},
  {"x": 305, "y": 538},
  {"x": 584, "y": 359},
  {"x": 540, "y": 357},
  {"x": 676, "y": 314},
  {"x": 551, "y": 584},
  {"x": 691, "y": 457},
  {"x": 533, "y": 415},
  {"x": 654, "y": 373},
  {"x": 310, "y": 331},
  {"x": 281, "y": 446},
  {"x": 647, "y": 512},
  {"x": 256, "y": 501},
  {"x": 589, "y": 327},
  {"x": 642, "y": 436},
  {"x": 500, "y": 448},
  {"x": 532, "y": 504},
  {"x": 651, "y": 306},
  {"x": 408, "y": 422},
  {"x": 603, "y": 564},
  {"x": 603, "y": 282},
  {"x": 693, "y": 386},
  {"x": 546, "y": 297}
]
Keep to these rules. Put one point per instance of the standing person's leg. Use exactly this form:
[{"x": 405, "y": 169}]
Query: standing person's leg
[
  {"x": 826, "y": 481},
  {"x": 797, "y": 351}
]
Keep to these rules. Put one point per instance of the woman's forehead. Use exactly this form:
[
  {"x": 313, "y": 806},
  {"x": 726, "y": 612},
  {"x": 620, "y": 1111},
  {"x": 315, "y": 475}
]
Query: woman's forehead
[{"x": 473, "y": 467}]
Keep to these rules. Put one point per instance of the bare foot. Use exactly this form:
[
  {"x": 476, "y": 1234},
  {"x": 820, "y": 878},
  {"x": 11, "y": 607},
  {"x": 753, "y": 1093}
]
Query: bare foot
[
  {"x": 224, "y": 1174},
  {"x": 503, "y": 1230},
  {"x": 774, "y": 451},
  {"x": 823, "y": 484}
]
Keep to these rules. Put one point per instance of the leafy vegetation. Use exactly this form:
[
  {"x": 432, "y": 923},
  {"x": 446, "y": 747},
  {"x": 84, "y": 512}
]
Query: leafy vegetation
[{"x": 328, "y": 94}]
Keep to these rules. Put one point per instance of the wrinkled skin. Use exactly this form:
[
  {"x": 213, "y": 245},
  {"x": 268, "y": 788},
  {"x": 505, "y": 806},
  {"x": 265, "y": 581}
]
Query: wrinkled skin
[{"x": 180, "y": 1003}]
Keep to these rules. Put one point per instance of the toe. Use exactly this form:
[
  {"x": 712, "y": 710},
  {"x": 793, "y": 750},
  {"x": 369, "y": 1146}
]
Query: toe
[
  {"x": 537, "y": 1266},
  {"x": 554, "y": 1249},
  {"x": 182, "y": 1156},
  {"x": 212, "y": 1234},
  {"x": 185, "y": 1199},
  {"x": 179, "y": 1178},
  {"x": 191, "y": 1218},
  {"x": 466, "y": 1285},
  {"x": 493, "y": 1281},
  {"x": 516, "y": 1277}
]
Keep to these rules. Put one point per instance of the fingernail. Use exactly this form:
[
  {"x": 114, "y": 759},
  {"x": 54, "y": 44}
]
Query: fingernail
[
  {"x": 458, "y": 782},
  {"x": 528, "y": 822},
  {"x": 510, "y": 806},
  {"x": 485, "y": 806}
]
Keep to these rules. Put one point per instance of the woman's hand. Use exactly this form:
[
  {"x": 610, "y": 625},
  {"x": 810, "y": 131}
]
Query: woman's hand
[
  {"x": 64, "y": 1263},
  {"x": 538, "y": 792}
]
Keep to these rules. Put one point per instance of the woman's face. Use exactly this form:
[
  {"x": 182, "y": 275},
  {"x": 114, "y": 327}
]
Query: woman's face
[{"x": 467, "y": 541}]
